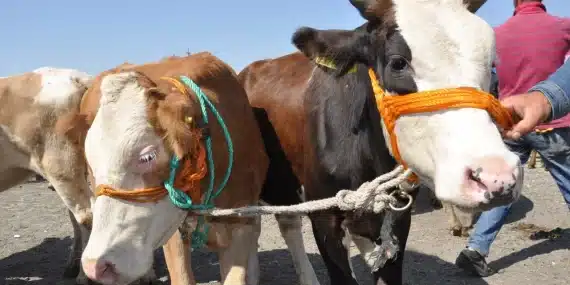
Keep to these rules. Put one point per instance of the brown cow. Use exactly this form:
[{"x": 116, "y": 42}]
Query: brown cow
[
  {"x": 30, "y": 105},
  {"x": 136, "y": 122}
]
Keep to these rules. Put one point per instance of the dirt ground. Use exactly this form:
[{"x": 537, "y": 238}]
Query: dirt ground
[{"x": 34, "y": 239}]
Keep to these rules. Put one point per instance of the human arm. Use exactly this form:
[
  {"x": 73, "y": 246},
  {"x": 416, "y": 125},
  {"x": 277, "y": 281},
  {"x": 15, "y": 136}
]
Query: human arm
[
  {"x": 557, "y": 90},
  {"x": 547, "y": 100}
]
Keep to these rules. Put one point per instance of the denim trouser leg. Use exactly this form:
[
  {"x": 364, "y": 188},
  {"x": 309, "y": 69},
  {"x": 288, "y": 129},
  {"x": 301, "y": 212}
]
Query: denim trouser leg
[
  {"x": 490, "y": 222},
  {"x": 486, "y": 229},
  {"x": 554, "y": 148}
]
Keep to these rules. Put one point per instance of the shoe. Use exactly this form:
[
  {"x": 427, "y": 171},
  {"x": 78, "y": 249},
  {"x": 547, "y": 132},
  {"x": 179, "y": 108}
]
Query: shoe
[{"x": 474, "y": 263}]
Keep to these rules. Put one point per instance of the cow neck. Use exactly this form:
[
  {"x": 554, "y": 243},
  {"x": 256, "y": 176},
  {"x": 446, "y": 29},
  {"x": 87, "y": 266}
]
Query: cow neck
[{"x": 382, "y": 161}]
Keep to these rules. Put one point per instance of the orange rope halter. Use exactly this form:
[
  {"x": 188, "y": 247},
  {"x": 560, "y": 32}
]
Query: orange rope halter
[
  {"x": 187, "y": 180},
  {"x": 392, "y": 107}
]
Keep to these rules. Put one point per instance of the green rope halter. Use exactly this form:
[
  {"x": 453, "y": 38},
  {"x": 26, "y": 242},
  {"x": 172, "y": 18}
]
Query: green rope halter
[{"x": 183, "y": 200}]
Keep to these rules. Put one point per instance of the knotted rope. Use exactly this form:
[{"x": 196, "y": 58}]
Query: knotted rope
[{"x": 371, "y": 196}]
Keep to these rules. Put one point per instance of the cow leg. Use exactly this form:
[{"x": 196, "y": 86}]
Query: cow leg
[
  {"x": 78, "y": 204},
  {"x": 453, "y": 220},
  {"x": 532, "y": 160},
  {"x": 253, "y": 272},
  {"x": 73, "y": 267},
  {"x": 65, "y": 171},
  {"x": 178, "y": 262},
  {"x": 329, "y": 236},
  {"x": 434, "y": 202},
  {"x": 234, "y": 258},
  {"x": 461, "y": 222},
  {"x": 291, "y": 231}
]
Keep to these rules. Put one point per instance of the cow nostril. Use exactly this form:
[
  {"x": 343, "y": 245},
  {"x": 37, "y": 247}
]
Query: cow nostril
[
  {"x": 107, "y": 268},
  {"x": 103, "y": 271},
  {"x": 475, "y": 174},
  {"x": 475, "y": 177}
]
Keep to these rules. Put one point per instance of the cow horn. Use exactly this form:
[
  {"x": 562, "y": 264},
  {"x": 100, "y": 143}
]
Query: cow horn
[
  {"x": 474, "y": 5},
  {"x": 371, "y": 9}
]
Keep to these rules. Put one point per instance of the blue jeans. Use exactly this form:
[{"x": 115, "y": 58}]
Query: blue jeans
[{"x": 554, "y": 149}]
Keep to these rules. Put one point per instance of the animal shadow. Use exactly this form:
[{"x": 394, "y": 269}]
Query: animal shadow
[
  {"x": 44, "y": 264},
  {"x": 551, "y": 242},
  {"x": 519, "y": 210},
  {"x": 277, "y": 268},
  {"x": 41, "y": 264}
]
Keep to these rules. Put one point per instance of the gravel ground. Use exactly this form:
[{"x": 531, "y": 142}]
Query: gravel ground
[{"x": 34, "y": 239}]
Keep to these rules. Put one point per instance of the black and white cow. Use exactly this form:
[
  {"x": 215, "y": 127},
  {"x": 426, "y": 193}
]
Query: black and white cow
[{"x": 322, "y": 128}]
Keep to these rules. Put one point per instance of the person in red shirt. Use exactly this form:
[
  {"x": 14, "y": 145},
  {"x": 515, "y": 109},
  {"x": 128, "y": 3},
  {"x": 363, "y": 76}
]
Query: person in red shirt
[{"x": 531, "y": 45}]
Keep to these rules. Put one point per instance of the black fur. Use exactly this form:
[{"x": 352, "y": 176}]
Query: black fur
[{"x": 345, "y": 142}]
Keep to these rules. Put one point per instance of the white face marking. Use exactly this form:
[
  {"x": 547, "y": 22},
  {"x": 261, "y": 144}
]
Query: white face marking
[
  {"x": 61, "y": 87},
  {"x": 368, "y": 249},
  {"x": 117, "y": 145},
  {"x": 346, "y": 241},
  {"x": 451, "y": 47}
]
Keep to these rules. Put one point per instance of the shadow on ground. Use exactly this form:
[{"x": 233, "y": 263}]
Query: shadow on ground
[
  {"x": 43, "y": 264},
  {"x": 277, "y": 269},
  {"x": 544, "y": 247}
]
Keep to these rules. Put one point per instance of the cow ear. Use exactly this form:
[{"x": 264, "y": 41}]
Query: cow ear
[
  {"x": 372, "y": 10},
  {"x": 345, "y": 47},
  {"x": 173, "y": 113}
]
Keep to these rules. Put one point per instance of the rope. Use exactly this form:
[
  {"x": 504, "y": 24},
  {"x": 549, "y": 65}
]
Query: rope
[
  {"x": 186, "y": 181},
  {"x": 180, "y": 198},
  {"x": 370, "y": 197},
  {"x": 203, "y": 102}
]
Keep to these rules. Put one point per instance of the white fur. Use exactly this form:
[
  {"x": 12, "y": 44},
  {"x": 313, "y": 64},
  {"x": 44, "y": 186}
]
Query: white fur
[
  {"x": 118, "y": 133},
  {"x": 291, "y": 230},
  {"x": 60, "y": 86},
  {"x": 346, "y": 242},
  {"x": 368, "y": 249},
  {"x": 451, "y": 47}
]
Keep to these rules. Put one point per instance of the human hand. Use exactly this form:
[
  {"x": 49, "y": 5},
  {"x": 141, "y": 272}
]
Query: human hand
[{"x": 529, "y": 110}]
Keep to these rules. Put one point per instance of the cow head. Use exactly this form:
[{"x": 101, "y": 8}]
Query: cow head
[
  {"x": 420, "y": 45},
  {"x": 138, "y": 128}
]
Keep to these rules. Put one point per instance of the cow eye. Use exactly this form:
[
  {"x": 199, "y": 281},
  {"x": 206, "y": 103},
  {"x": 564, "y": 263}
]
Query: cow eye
[
  {"x": 147, "y": 157},
  {"x": 398, "y": 63}
]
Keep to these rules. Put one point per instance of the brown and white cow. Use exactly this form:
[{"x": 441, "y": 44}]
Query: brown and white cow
[
  {"x": 30, "y": 105},
  {"x": 131, "y": 123}
]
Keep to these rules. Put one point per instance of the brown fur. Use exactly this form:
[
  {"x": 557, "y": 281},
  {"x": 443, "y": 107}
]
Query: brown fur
[
  {"x": 30, "y": 143},
  {"x": 168, "y": 107},
  {"x": 287, "y": 122}
]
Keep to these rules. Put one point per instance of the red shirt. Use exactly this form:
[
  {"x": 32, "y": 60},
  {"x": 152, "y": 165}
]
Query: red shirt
[{"x": 531, "y": 45}]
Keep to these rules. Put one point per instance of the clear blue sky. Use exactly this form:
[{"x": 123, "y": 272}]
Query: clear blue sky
[{"x": 96, "y": 35}]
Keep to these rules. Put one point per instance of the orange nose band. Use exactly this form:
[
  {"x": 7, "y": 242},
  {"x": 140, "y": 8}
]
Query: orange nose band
[{"x": 392, "y": 107}]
